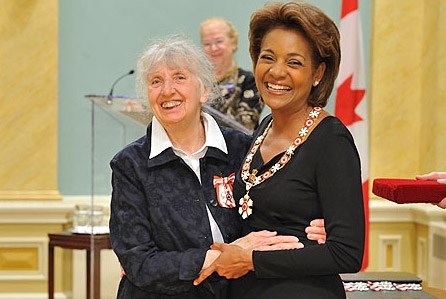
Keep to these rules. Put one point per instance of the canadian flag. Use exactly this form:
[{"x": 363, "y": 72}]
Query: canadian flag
[{"x": 351, "y": 101}]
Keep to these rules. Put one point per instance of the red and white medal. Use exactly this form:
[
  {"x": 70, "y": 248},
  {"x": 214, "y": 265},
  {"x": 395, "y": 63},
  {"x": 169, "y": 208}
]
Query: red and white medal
[{"x": 223, "y": 187}]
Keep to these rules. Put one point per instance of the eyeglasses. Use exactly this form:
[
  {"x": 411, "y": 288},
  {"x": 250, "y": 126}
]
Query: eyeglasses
[{"x": 207, "y": 45}]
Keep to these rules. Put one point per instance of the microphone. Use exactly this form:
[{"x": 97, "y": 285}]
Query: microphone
[{"x": 110, "y": 94}]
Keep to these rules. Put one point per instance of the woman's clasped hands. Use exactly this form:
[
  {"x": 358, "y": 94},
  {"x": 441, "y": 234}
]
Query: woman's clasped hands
[{"x": 235, "y": 260}]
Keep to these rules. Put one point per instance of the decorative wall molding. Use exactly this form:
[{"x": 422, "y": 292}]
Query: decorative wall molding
[
  {"x": 389, "y": 253},
  {"x": 39, "y": 212},
  {"x": 437, "y": 263},
  {"x": 30, "y": 195},
  {"x": 41, "y": 244},
  {"x": 103, "y": 200},
  {"x": 386, "y": 211},
  {"x": 422, "y": 258},
  {"x": 34, "y": 296},
  {"x": 35, "y": 212}
]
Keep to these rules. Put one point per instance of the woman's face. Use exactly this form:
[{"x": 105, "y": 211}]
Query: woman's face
[
  {"x": 284, "y": 70},
  {"x": 175, "y": 95},
  {"x": 216, "y": 43}
]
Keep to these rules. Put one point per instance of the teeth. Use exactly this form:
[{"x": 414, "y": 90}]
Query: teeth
[
  {"x": 171, "y": 104},
  {"x": 278, "y": 87}
]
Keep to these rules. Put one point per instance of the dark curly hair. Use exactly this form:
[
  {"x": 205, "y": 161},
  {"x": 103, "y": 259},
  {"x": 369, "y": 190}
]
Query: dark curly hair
[{"x": 318, "y": 29}]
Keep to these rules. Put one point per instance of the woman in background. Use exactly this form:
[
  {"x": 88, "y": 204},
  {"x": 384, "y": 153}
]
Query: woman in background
[{"x": 240, "y": 100}]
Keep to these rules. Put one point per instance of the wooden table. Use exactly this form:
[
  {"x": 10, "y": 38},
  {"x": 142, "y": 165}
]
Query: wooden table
[{"x": 93, "y": 244}]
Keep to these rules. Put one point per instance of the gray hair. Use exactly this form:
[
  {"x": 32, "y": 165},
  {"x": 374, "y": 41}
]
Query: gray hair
[{"x": 176, "y": 52}]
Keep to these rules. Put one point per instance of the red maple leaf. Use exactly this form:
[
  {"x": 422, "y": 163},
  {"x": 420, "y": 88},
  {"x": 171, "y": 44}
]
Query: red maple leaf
[{"x": 347, "y": 99}]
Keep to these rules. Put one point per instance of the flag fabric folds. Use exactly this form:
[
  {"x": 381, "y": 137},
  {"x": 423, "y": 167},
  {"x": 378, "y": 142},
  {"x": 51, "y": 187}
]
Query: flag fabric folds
[{"x": 351, "y": 101}]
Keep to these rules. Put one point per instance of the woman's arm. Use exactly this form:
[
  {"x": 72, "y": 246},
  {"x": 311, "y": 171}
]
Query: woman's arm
[
  {"x": 340, "y": 191},
  {"x": 145, "y": 264},
  {"x": 222, "y": 255},
  {"x": 337, "y": 174}
]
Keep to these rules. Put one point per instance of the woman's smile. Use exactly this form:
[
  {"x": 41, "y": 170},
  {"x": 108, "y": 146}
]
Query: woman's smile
[
  {"x": 171, "y": 104},
  {"x": 277, "y": 87}
]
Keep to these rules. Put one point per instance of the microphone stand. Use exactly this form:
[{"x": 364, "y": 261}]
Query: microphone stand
[{"x": 110, "y": 94}]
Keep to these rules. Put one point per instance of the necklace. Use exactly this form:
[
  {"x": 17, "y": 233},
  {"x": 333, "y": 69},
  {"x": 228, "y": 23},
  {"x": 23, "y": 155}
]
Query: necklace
[
  {"x": 232, "y": 72},
  {"x": 252, "y": 179}
]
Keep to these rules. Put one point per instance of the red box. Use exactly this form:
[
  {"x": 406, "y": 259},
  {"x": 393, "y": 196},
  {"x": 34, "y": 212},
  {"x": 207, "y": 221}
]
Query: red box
[{"x": 409, "y": 190}]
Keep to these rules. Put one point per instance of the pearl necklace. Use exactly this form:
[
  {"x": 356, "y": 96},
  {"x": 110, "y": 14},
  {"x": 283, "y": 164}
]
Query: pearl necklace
[{"x": 252, "y": 180}]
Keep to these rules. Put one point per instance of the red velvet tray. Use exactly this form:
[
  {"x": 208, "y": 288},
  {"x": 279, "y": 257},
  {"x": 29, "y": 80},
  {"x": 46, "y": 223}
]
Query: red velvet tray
[{"x": 409, "y": 190}]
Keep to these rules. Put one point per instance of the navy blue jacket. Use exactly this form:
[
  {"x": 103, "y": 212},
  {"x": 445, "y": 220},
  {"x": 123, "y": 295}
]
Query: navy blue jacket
[{"x": 158, "y": 224}]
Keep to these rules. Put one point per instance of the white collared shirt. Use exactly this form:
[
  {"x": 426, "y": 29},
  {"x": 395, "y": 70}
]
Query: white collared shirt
[{"x": 214, "y": 138}]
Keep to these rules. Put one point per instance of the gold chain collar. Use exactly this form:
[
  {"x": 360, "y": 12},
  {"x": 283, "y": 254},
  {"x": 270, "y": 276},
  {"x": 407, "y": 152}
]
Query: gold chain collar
[{"x": 252, "y": 179}]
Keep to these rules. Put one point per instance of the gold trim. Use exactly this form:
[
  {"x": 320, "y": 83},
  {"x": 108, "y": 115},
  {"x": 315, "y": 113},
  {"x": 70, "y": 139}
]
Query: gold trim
[
  {"x": 30, "y": 195},
  {"x": 16, "y": 258}
]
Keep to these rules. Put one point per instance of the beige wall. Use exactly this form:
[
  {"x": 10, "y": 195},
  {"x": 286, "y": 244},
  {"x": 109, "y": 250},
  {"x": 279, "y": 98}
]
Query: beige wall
[
  {"x": 28, "y": 104},
  {"x": 28, "y": 146},
  {"x": 407, "y": 101},
  {"x": 407, "y": 88}
]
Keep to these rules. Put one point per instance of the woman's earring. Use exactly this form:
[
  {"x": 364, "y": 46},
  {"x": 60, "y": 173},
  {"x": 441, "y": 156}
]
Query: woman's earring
[{"x": 315, "y": 83}]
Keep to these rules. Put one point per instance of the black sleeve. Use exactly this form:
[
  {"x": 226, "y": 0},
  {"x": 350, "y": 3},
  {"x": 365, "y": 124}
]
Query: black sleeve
[
  {"x": 147, "y": 266},
  {"x": 338, "y": 183}
]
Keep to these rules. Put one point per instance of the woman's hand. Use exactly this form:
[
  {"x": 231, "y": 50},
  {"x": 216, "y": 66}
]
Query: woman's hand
[
  {"x": 316, "y": 231},
  {"x": 433, "y": 176},
  {"x": 233, "y": 262},
  {"x": 265, "y": 240},
  {"x": 440, "y": 177},
  {"x": 211, "y": 256}
]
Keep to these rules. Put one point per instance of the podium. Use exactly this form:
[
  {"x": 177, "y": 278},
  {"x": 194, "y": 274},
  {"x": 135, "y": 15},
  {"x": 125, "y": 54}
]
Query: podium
[
  {"x": 132, "y": 108},
  {"x": 138, "y": 110}
]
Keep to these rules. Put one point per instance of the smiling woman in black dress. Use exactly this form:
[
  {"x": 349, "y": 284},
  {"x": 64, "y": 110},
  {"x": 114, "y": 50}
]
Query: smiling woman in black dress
[{"x": 303, "y": 164}]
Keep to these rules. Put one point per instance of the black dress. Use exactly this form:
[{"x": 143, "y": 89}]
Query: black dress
[{"x": 322, "y": 180}]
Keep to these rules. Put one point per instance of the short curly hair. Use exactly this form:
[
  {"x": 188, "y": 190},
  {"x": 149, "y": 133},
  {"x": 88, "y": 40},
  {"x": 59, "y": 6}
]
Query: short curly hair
[
  {"x": 176, "y": 51},
  {"x": 318, "y": 29}
]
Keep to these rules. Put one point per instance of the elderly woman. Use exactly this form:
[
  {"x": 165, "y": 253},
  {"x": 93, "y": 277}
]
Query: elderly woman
[
  {"x": 302, "y": 165},
  {"x": 240, "y": 100},
  {"x": 172, "y": 189}
]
